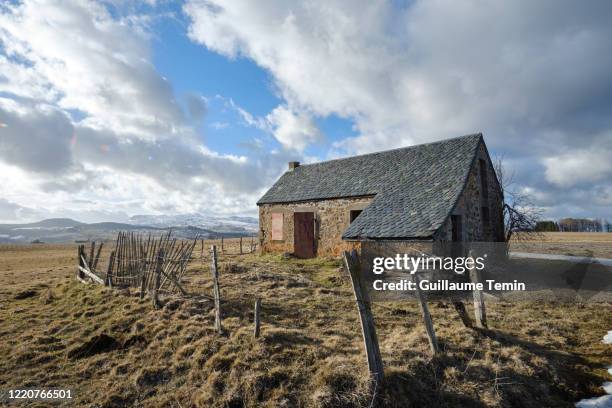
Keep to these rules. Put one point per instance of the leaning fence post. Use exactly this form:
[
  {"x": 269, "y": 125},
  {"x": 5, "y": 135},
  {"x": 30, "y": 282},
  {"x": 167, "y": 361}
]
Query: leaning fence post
[
  {"x": 91, "y": 254},
  {"x": 109, "y": 271},
  {"x": 462, "y": 312},
  {"x": 368, "y": 328},
  {"x": 479, "y": 303},
  {"x": 94, "y": 267},
  {"x": 215, "y": 274},
  {"x": 256, "y": 317},
  {"x": 79, "y": 274},
  {"x": 158, "y": 269},
  {"x": 431, "y": 334}
]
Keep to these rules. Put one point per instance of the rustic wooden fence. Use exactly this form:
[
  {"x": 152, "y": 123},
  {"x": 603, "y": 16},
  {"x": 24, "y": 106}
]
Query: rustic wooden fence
[
  {"x": 368, "y": 327},
  {"x": 150, "y": 263},
  {"x": 153, "y": 264},
  {"x": 157, "y": 263},
  {"x": 244, "y": 245}
]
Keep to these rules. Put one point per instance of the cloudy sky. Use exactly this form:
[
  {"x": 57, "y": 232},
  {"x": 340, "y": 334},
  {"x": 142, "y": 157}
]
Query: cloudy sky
[{"x": 115, "y": 108}]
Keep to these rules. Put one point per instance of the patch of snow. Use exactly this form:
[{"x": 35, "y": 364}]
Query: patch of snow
[{"x": 605, "y": 401}]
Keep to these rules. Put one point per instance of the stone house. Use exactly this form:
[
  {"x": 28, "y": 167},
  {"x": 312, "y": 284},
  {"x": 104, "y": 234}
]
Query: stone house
[{"x": 445, "y": 191}]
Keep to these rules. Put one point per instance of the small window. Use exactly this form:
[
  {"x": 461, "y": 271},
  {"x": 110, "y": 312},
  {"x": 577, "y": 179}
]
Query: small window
[
  {"x": 457, "y": 233},
  {"x": 486, "y": 218},
  {"x": 277, "y": 226},
  {"x": 354, "y": 214}
]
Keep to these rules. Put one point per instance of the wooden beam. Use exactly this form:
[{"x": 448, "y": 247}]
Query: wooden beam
[
  {"x": 422, "y": 301},
  {"x": 172, "y": 279},
  {"x": 91, "y": 275},
  {"x": 480, "y": 312},
  {"x": 158, "y": 269},
  {"x": 462, "y": 312},
  {"x": 79, "y": 275},
  {"x": 368, "y": 328},
  {"x": 91, "y": 253},
  {"x": 256, "y": 317},
  {"x": 215, "y": 275},
  {"x": 95, "y": 262},
  {"x": 109, "y": 270}
]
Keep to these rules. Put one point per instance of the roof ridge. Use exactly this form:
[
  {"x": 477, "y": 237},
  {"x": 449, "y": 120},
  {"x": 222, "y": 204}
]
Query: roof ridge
[{"x": 479, "y": 134}]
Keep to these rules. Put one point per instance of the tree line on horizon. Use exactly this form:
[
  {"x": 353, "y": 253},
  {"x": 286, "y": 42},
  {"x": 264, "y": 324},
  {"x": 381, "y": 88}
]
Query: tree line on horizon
[{"x": 574, "y": 225}]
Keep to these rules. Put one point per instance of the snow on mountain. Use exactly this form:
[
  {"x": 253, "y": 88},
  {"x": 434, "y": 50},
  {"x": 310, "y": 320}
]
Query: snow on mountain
[{"x": 214, "y": 223}]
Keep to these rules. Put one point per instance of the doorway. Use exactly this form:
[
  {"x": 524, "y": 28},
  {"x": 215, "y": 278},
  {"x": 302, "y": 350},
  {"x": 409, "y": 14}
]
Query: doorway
[{"x": 303, "y": 235}]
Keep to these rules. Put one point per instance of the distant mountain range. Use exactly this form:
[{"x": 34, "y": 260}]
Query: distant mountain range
[
  {"x": 218, "y": 224},
  {"x": 183, "y": 226}
]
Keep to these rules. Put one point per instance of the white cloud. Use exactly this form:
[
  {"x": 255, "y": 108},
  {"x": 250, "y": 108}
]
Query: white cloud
[
  {"x": 534, "y": 77},
  {"x": 76, "y": 55},
  {"x": 91, "y": 128},
  {"x": 293, "y": 130},
  {"x": 580, "y": 166}
]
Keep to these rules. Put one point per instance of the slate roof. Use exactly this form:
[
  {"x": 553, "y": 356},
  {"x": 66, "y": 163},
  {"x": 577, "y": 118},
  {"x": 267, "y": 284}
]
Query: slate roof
[{"x": 415, "y": 188}]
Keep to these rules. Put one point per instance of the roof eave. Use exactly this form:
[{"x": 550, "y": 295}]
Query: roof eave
[{"x": 408, "y": 238}]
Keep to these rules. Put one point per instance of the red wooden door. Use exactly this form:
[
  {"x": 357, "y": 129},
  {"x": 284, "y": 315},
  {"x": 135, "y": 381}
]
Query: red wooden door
[{"x": 303, "y": 235}]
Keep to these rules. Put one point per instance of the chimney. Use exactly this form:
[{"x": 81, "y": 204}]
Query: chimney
[{"x": 293, "y": 165}]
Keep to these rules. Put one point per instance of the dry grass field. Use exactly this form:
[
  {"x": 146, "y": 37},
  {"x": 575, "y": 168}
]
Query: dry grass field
[
  {"x": 591, "y": 244},
  {"x": 535, "y": 354}
]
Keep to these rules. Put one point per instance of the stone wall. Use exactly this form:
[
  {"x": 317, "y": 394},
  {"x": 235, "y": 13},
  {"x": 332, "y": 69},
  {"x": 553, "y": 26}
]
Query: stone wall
[
  {"x": 332, "y": 218},
  {"x": 470, "y": 204}
]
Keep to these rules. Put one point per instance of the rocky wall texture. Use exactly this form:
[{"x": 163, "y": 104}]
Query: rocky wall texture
[
  {"x": 332, "y": 217},
  {"x": 470, "y": 205}
]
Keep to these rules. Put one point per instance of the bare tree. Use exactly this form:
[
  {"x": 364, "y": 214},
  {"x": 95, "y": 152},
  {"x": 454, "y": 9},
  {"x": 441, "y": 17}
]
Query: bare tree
[{"x": 519, "y": 210}]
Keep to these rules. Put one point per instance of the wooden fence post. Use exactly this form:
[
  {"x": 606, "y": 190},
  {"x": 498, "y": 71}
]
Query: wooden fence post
[
  {"x": 431, "y": 334},
  {"x": 94, "y": 267},
  {"x": 240, "y": 245},
  {"x": 222, "y": 249},
  {"x": 368, "y": 328},
  {"x": 91, "y": 254},
  {"x": 215, "y": 274},
  {"x": 256, "y": 317},
  {"x": 80, "y": 274},
  {"x": 479, "y": 303},
  {"x": 158, "y": 269},
  {"x": 109, "y": 271},
  {"x": 462, "y": 312},
  {"x": 143, "y": 283}
]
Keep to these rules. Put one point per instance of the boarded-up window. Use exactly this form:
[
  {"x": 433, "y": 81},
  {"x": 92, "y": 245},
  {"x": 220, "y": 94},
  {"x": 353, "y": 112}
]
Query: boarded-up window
[{"x": 277, "y": 226}]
